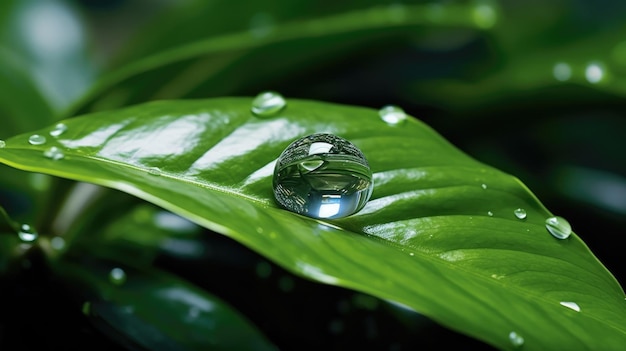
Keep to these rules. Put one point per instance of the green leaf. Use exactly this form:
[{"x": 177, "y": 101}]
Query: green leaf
[
  {"x": 155, "y": 310},
  {"x": 424, "y": 240}
]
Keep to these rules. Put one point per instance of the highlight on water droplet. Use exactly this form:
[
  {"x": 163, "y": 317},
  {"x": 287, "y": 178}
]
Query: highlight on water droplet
[
  {"x": 520, "y": 213},
  {"x": 2, "y": 144},
  {"x": 117, "y": 276},
  {"x": 595, "y": 72},
  {"x": 571, "y": 305},
  {"x": 59, "y": 129},
  {"x": 562, "y": 71},
  {"x": 558, "y": 227},
  {"x": 516, "y": 339},
  {"x": 37, "y": 139},
  {"x": 322, "y": 176},
  {"x": 484, "y": 15},
  {"x": 268, "y": 104},
  {"x": 54, "y": 153},
  {"x": 392, "y": 114},
  {"x": 27, "y": 233}
]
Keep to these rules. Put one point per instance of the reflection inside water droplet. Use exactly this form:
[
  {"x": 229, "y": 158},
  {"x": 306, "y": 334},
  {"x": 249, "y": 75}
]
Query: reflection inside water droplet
[
  {"x": 117, "y": 276},
  {"x": 322, "y": 176},
  {"x": 516, "y": 339},
  {"x": 54, "y": 153},
  {"x": 268, "y": 104},
  {"x": 36, "y": 139},
  {"x": 27, "y": 233},
  {"x": 59, "y": 129},
  {"x": 392, "y": 114},
  {"x": 558, "y": 227},
  {"x": 520, "y": 213}
]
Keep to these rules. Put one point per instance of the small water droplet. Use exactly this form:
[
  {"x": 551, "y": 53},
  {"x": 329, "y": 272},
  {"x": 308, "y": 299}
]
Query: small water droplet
[
  {"x": 37, "y": 139},
  {"x": 594, "y": 72},
  {"x": 54, "y": 153},
  {"x": 516, "y": 339},
  {"x": 2, "y": 144},
  {"x": 571, "y": 305},
  {"x": 59, "y": 129},
  {"x": 411, "y": 254},
  {"x": 268, "y": 104},
  {"x": 562, "y": 71},
  {"x": 155, "y": 171},
  {"x": 57, "y": 243},
  {"x": 558, "y": 227},
  {"x": 27, "y": 233},
  {"x": 484, "y": 186},
  {"x": 489, "y": 213},
  {"x": 117, "y": 276},
  {"x": 484, "y": 15},
  {"x": 520, "y": 213},
  {"x": 339, "y": 186},
  {"x": 392, "y": 115}
]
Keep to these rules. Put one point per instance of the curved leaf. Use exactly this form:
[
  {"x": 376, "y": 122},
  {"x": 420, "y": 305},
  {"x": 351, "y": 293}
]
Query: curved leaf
[{"x": 425, "y": 239}]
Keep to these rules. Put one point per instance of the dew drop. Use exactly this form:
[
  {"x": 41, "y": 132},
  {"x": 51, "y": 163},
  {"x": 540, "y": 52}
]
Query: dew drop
[
  {"x": 54, "y": 153},
  {"x": 2, "y": 144},
  {"x": 392, "y": 115},
  {"x": 27, "y": 233},
  {"x": 520, "y": 213},
  {"x": 484, "y": 186},
  {"x": 59, "y": 129},
  {"x": 558, "y": 227},
  {"x": 155, "y": 171},
  {"x": 117, "y": 276},
  {"x": 489, "y": 213},
  {"x": 268, "y": 104},
  {"x": 571, "y": 305},
  {"x": 516, "y": 339},
  {"x": 594, "y": 73},
  {"x": 562, "y": 71},
  {"x": 36, "y": 139},
  {"x": 339, "y": 185},
  {"x": 411, "y": 254}
]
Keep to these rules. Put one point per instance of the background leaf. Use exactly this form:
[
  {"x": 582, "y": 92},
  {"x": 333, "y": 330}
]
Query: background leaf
[{"x": 425, "y": 240}]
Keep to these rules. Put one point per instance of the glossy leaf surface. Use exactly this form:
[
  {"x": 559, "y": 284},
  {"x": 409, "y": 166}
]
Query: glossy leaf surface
[{"x": 439, "y": 234}]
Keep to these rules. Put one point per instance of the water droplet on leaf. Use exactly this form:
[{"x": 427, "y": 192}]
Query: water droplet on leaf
[
  {"x": 489, "y": 213},
  {"x": 155, "y": 171},
  {"x": 562, "y": 71},
  {"x": 27, "y": 233},
  {"x": 484, "y": 186},
  {"x": 558, "y": 227},
  {"x": 268, "y": 104},
  {"x": 2, "y": 144},
  {"x": 392, "y": 114},
  {"x": 520, "y": 213},
  {"x": 571, "y": 305},
  {"x": 117, "y": 276},
  {"x": 322, "y": 176},
  {"x": 594, "y": 73},
  {"x": 54, "y": 153},
  {"x": 36, "y": 139},
  {"x": 59, "y": 129},
  {"x": 516, "y": 339}
]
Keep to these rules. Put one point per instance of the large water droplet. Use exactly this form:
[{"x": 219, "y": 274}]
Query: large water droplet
[
  {"x": 27, "y": 233},
  {"x": 520, "y": 213},
  {"x": 558, "y": 227},
  {"x": 562, "y": 71},
  {"x": 516, "y": 339},
  {"x": 392, "y": 114},
  {"x": 594, "y": 73},
  {"x": 322, "y": 176},
  {"x": 2, "y": 144},
  {"x": 268, "y": 103},
  {"x": 54, "y": 153},
  {"x": 571, "y": 305},
  {"x": 59, "y": 129},
  {"x": 117, "y": 276},
  {"x": 36, "y": 139}
]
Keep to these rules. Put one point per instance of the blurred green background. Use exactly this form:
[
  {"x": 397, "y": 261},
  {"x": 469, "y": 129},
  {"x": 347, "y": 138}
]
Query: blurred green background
[{"x": 533, "y": 88}]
